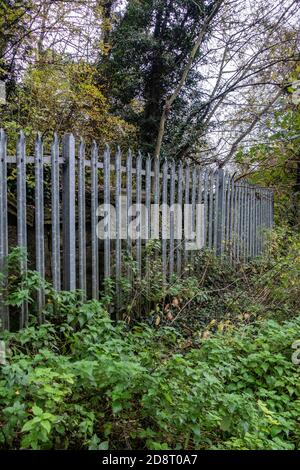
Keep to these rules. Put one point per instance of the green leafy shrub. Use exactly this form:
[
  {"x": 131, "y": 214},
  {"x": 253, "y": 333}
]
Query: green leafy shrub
[
  {"x": 105, "y": 385},
  {"x": 214, "y": 373}
]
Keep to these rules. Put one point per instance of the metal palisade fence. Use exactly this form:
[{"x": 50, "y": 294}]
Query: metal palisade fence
[{"x": 79, "y": 194}]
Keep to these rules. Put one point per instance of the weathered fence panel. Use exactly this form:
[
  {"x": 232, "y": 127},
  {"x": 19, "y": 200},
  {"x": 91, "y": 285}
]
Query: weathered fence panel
[
  {"x": 106, "y": 176},
  {"x": 235, "y": 215},
  {"x": 55, "y": 214},
  {"x": 94, "y": 218},
  {"x": 21, "y": 214},
  {"x": 81, "y": 219},
  {"x": 69, "y": 212},
  {"x": 39, "y": 220}
]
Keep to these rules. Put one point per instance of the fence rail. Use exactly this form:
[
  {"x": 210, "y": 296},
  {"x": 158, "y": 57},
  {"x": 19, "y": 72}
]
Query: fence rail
[{"x": 235, "y": 213}]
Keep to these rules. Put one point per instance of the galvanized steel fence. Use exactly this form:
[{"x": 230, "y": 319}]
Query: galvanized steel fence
[{"x": 236, "y": 213}]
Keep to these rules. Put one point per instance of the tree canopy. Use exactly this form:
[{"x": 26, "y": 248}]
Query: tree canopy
[{"x": 186, "y": 79}]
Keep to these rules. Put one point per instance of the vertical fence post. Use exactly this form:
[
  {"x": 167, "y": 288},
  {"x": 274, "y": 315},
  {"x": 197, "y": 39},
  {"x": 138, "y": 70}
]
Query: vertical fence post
[
  {"x": 253, "y": 222},
  {"x": 261, "y": 201},
  {"x": 139, "y": 214},
  {"x": 81, "y": 218},
  {"x": 165, "y": 221},
  {"x": 39, "y": 220},
  {"x": 118, "y": 229},
  {"x": 243, "y": 220},
  {"x": 256, "y": 201},
  {"x": 187, "y": 202},
  {"x": 156, "y": 197},
  {"x": 200, "y": 222},
  {"x": 193, "y": 227},
  {"x": 4, "y": 313},
  {"x": 206, "y": 211},
  {"x": 107, "y": 231},
  {"x": 266, "y": 225},
  {"x": 179, "y": 222},
  {"x": 222, "y": 206},
  {"x": 148, "y": 197},
  {"x": 246, "y": 215},
  {"x": 232, "y": 217},
  {"x": 268, "y": 209},
  {"x": 139, "y": 226},
  {"x": 55, "y": 214},
  {"x": 172, "y": 217},
  {"x": 69, "y": 222},
  {"x": 258, "y": 228},
  {"x": 219, "y": 212},
  {"x": 239, "y": 223},
  {"x": 211, "y": 209},
  {"x": 227, "y": 215},
  {"x": 94, "y": 206},
  {"x": 148, "y": 224},
  {"x": 262, "y": 212},
  {"x": 21, "y": 217},
  {"x": 272, "y": 208},
  {"x": 215, "y": 205},
  {"x": 263, "y": 219},
  {"x": 259, "y": 219},
  {"x": 243, "y": 235},
  {"x": 128, "y": 215},
  {"x": 249, "y": 222}
]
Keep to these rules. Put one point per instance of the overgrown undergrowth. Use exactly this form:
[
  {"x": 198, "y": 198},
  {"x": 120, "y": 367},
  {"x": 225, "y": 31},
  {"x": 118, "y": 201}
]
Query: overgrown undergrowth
[{"x": 215, "y": 372}]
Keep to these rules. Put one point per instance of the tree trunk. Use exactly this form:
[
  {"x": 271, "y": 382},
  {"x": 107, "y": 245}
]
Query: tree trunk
[{"x": 169, "y": 102}]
